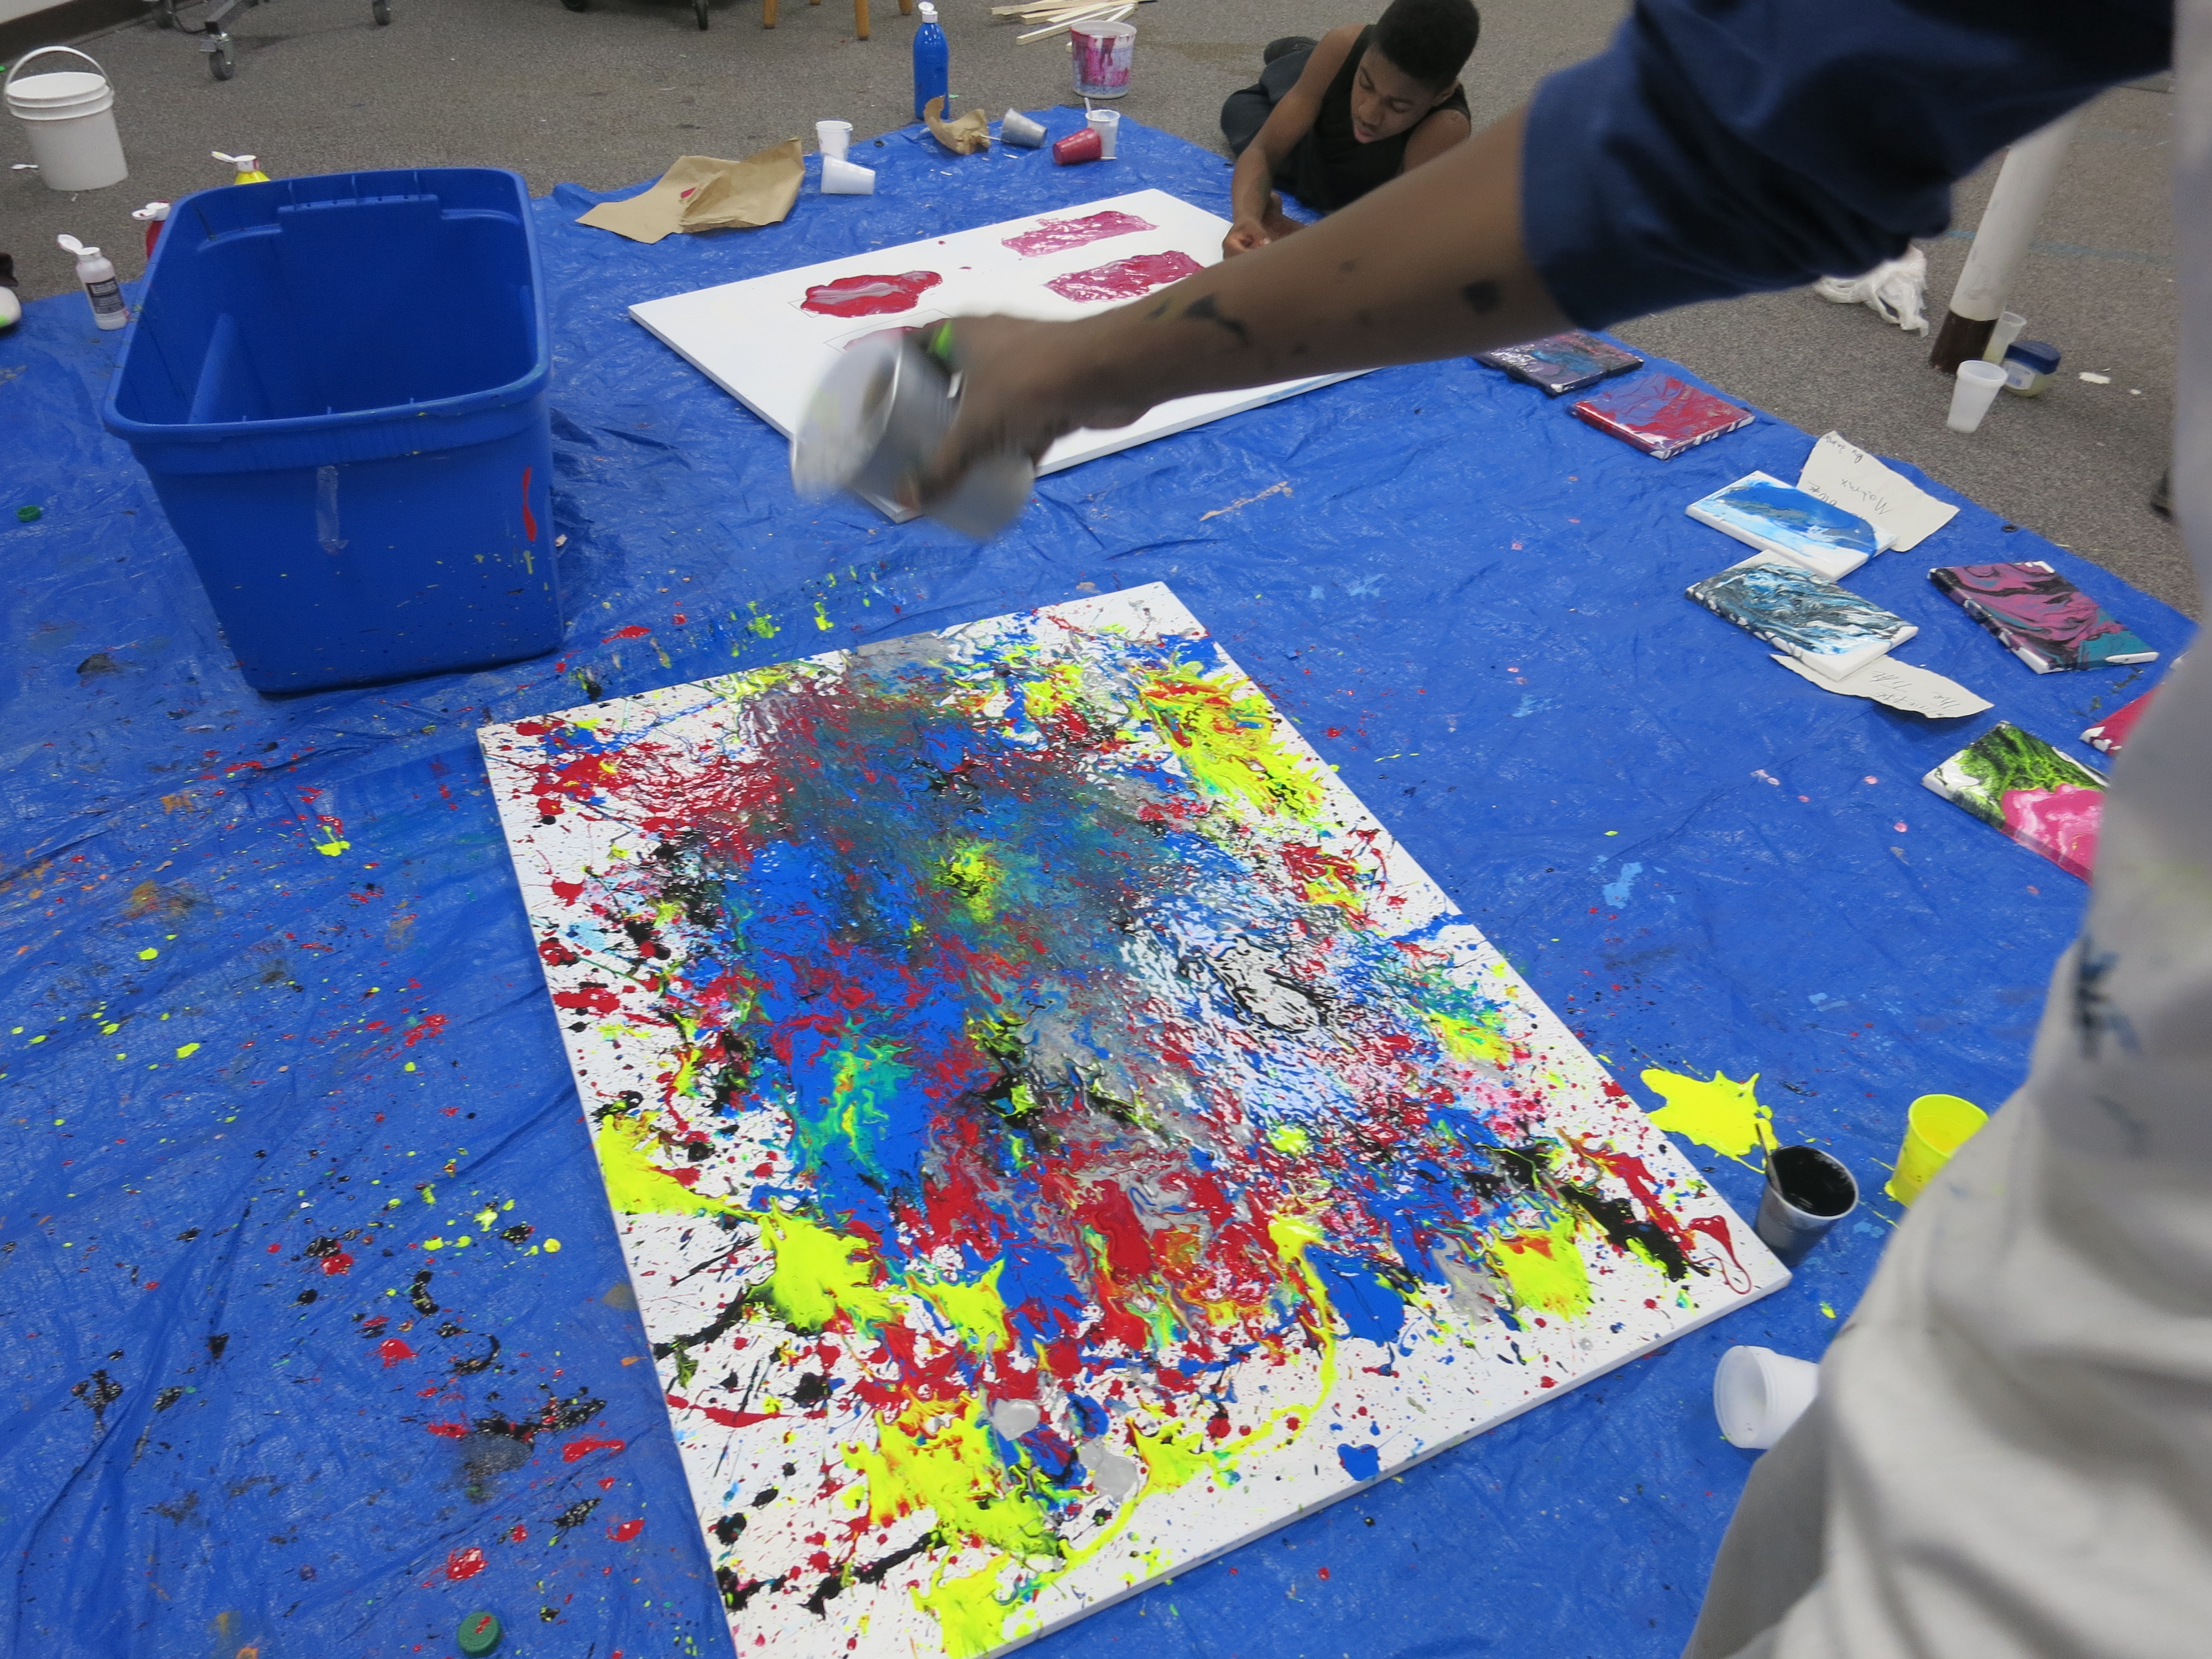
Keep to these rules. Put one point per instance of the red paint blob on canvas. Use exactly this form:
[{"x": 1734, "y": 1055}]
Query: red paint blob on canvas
[
  {"x": 1125, "y": 279},
  {"x": 1058, "y": 235},
  {"x": 870, "y": 296}
]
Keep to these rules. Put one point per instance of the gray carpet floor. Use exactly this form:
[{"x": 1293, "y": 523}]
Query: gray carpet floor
[{"x": 611, "y": 95}]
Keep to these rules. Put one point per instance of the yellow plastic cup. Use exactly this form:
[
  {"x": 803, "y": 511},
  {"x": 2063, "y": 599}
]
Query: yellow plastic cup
[{"x": 1936, "y": 1126}]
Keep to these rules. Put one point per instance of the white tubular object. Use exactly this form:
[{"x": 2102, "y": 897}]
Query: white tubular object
[
  {"x": 850, "y": 178},
  {"x": 2001, "y": 241},
  {"x": 1758, "y": 1394}
]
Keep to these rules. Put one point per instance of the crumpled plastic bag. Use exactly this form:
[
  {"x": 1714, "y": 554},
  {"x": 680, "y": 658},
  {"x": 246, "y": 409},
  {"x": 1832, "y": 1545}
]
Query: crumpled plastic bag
[
  {"x": 964, "y": 135},
  {"x": 1894, "y": 290}
]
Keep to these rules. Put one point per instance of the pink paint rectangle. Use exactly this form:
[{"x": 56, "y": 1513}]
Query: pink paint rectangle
[
  {"x": 1058, "y": 235},
  {"x": 1125, "y": 279}
]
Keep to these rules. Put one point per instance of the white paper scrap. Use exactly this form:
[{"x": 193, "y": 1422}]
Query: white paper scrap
[
  {"x": 1842, "y": 475},
  {"x": 1899, "y": 684}
]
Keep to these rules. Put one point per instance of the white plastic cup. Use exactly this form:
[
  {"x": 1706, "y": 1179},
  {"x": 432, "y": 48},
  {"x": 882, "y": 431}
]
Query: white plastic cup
[
  {"x": 2008, "y": 328},
  {"x": 834, "y": 139},
  {"x": 1977, "y": 388},
  {"x": 69, "y": 116},
  {"x": 1758, "y": 1394},
  {"x": 850, "y": 178},
  {"x": 1016, "y": 128},
  {"x": 1107, "y": 124}
]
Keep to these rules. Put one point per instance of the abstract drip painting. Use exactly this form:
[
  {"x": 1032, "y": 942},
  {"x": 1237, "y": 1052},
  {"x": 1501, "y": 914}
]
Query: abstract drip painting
[
  {"x": 1761, "y": 511},
  {"x": 1560, "y": 363},
  {"x": 1824, "y": 626},
  {"x": 1056, "y": 1134}
]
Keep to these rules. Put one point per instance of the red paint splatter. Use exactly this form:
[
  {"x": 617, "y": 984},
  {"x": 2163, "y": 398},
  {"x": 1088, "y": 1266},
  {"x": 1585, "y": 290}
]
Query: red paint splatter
[
  {"x": 450, "y": 1430},
  {"x": 728, "y": 1418},
  {"x": 1321, "y": 1572},
  {"x": 393, "y": 1351},
  {"x": 430, "y": 1026},
  {"x": 1058, "y": 235},
  {"x": 568, "y": 891},
  {"x": 520, "y": 1535},
  {"x": 870, "y": 296},
  {"x": 585, "y": 1448},
  {"x": 529, "y": 518},
  {"x": 338, "y": 1263},
  {"x": 623, "y": 1532},
  {"x": 465, "y": 1564},
  {"x": 633, "y": 632},
  {"x": 1125, "y": 279}
]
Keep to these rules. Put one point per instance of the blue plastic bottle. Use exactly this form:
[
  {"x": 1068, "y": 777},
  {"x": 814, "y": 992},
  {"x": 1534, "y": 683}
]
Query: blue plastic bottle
[{"x": 933, "y": 62}]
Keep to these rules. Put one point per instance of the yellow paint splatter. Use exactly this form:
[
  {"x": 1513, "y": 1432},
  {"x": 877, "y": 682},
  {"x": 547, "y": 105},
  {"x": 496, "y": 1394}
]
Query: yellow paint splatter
[
  {"x": 636, "y": 1186},
  {"x": 952, "y": 1470},
  {"x": 148, "y": 953},
  {"x": 972, "y": 870},
  {"x": 1225, "y": 732},
  {"x": 970, "y": 1618},
  {"x": 1290, "y": 1138},
  {"x": 820, "y": 1273},
  {"x": 1828, "y": 1312},
  {"x": 1545, "y": 1270},
  {"x": 822, "y": 616},
  {"x": 188, "y": 1051},
  {"x": 977, "y": 1311},
  {"x": 1466, "y": 1041},
  {"x": 1721, "y": 1114}
]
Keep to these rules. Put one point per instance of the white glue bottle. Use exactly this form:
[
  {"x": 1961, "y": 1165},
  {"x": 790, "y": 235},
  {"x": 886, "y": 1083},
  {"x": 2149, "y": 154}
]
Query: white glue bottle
[{"x": 94, "y": 270}]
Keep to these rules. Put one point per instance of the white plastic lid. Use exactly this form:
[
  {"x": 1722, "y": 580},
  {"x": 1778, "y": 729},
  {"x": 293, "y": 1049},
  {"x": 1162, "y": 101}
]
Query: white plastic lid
[
  {"x": 928, "y": 12},
  {"x": 60, "y": 86},
  {"x": 70, "y": 244}
]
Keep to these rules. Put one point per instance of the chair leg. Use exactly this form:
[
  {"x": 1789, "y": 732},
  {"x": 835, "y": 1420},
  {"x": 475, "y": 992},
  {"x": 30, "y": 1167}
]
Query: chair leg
[
  {"x": 860, "y": 20},
  {"x": 768, "y": 13},
  {"x": 906, "y": 7}
]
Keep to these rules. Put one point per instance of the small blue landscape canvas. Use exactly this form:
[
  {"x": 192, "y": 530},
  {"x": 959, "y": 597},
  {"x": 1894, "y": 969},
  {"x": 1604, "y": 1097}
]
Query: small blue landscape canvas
[{"x": 1761, "y": 511}]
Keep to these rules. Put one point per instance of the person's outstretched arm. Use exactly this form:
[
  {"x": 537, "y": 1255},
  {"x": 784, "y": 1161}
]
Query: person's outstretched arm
[
  {"x": 1715, "y": 147},
  {"x": 1429, "y": 265}
]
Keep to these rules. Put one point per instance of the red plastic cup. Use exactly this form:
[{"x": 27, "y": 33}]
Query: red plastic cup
[{"x": 1083, "y": 146}]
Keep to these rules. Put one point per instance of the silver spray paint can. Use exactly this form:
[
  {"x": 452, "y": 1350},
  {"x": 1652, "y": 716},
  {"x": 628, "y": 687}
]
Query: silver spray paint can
[{"x": 879, "y": 415}]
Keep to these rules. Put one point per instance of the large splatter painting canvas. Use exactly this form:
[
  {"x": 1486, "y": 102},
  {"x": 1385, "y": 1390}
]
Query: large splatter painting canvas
[
  {"x": 768, "y": 341},
  {"x": 1055, "y": 1133}
]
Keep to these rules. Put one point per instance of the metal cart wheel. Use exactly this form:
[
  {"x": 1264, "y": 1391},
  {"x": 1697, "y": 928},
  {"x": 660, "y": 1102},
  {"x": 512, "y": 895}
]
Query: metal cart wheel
[
  {"x": 575, "y": 5},
  {"x": 699, "y": 11},
  {"x": 380, "y": 11},
  {"x": 219, "y": 62}
]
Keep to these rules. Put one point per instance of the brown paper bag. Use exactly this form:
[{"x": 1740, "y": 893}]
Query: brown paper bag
[
  {"x": 964, "y": 135},
  {"x": 703, "y": 193}
]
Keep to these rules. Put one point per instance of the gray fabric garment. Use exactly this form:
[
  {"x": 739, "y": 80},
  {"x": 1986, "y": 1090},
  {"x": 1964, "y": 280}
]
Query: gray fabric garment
[
  {"x": 1771, "y": 1555},
  {"x": 2017, "y": 1418}
]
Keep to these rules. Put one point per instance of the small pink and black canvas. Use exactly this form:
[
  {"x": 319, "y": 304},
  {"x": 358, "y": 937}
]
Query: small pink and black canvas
[
  {"x": 2039, "y": 617},
  {"x": 1661, "y": 415}
]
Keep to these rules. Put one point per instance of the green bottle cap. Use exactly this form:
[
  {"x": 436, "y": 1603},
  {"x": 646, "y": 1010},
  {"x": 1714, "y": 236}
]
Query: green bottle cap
[
  {"x": 479, "y": 1634},
  {"x": 29, "y": 514}
]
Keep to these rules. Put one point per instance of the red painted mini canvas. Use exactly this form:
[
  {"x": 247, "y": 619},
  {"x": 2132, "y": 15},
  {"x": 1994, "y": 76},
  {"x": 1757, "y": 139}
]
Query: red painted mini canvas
[{"x": 1661, "y": 415}]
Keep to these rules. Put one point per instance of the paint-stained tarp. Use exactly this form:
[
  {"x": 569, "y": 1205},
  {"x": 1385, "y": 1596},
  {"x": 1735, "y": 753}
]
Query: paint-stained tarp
[{"x": 316, "y": 1334}]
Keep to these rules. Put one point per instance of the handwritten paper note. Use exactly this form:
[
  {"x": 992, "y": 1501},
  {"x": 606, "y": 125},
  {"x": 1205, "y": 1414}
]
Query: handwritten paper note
[
  {"x": 1898, "y": 684},
  {"x": 1844, "y": 475}
]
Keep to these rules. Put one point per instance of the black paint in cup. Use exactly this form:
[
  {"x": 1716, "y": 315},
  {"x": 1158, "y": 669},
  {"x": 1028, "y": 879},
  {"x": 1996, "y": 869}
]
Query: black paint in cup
[{"x": 1808, "y": 1192}]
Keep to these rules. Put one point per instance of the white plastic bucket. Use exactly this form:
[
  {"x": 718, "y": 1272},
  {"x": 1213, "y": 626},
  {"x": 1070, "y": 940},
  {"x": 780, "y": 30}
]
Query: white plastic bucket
[
  {"x": 71, "y": 118},
  {"x": 1104, "y": 54}
]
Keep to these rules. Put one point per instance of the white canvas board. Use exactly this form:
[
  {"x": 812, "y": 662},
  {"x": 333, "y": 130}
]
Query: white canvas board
[
  {"x": 1056, "y": 1133},
  {"x": 757, "y": 340}
]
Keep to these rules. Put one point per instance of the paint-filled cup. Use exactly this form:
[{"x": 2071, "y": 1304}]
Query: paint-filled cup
[
  {"x": 1016, "y": 128},
  {"x": 2007, "y": 330},
  {"x": 1758, "y": 1394},
  {"x": 834, "y": 137},
  {"x": 1104, "y": 53},
  {"x": 1977, "y": 388},
  {"x": 1083, "y": 146},
  {"x": 846, "y": 178},
  {"x": 1107, "y": 124},
  {"x": 1936, "y": 1126},
  {"x": 1808, "y": 1192}
]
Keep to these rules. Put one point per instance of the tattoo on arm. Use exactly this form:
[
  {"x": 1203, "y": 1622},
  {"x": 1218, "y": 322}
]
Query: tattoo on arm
[
  {"x": 1204, "y": 310},
  {"x": 1482, "y": 298}
]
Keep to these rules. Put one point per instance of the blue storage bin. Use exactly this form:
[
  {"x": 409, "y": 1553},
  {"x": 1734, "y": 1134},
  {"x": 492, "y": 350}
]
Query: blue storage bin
[{"x": 338, "y": 387}]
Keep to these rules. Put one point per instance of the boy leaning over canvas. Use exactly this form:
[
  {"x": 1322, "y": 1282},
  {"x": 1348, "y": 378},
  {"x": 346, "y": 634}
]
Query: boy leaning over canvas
[{"x": 1331, "y": 120}]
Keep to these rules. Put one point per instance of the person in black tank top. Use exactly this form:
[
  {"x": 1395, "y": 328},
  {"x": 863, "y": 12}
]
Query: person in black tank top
[{"x": 1332, "y": 119}]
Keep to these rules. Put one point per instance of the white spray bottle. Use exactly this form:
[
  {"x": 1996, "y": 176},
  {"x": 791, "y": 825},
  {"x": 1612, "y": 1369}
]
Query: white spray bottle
[{"x": 98, "y": 276}]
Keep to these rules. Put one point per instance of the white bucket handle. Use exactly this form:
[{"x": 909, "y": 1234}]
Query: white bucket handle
[{"x": 18, "y": 67}]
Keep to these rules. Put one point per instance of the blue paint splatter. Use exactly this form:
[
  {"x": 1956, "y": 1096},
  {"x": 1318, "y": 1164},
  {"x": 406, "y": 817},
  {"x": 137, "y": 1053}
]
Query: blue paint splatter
[
  {"x": 1618, "y": 890},
  {"x": 1360, "y": 1462}
]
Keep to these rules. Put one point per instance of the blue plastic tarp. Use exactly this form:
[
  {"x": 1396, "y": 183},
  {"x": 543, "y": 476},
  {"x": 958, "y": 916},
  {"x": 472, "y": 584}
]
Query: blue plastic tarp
[{"x": 274, "y": 1020}]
